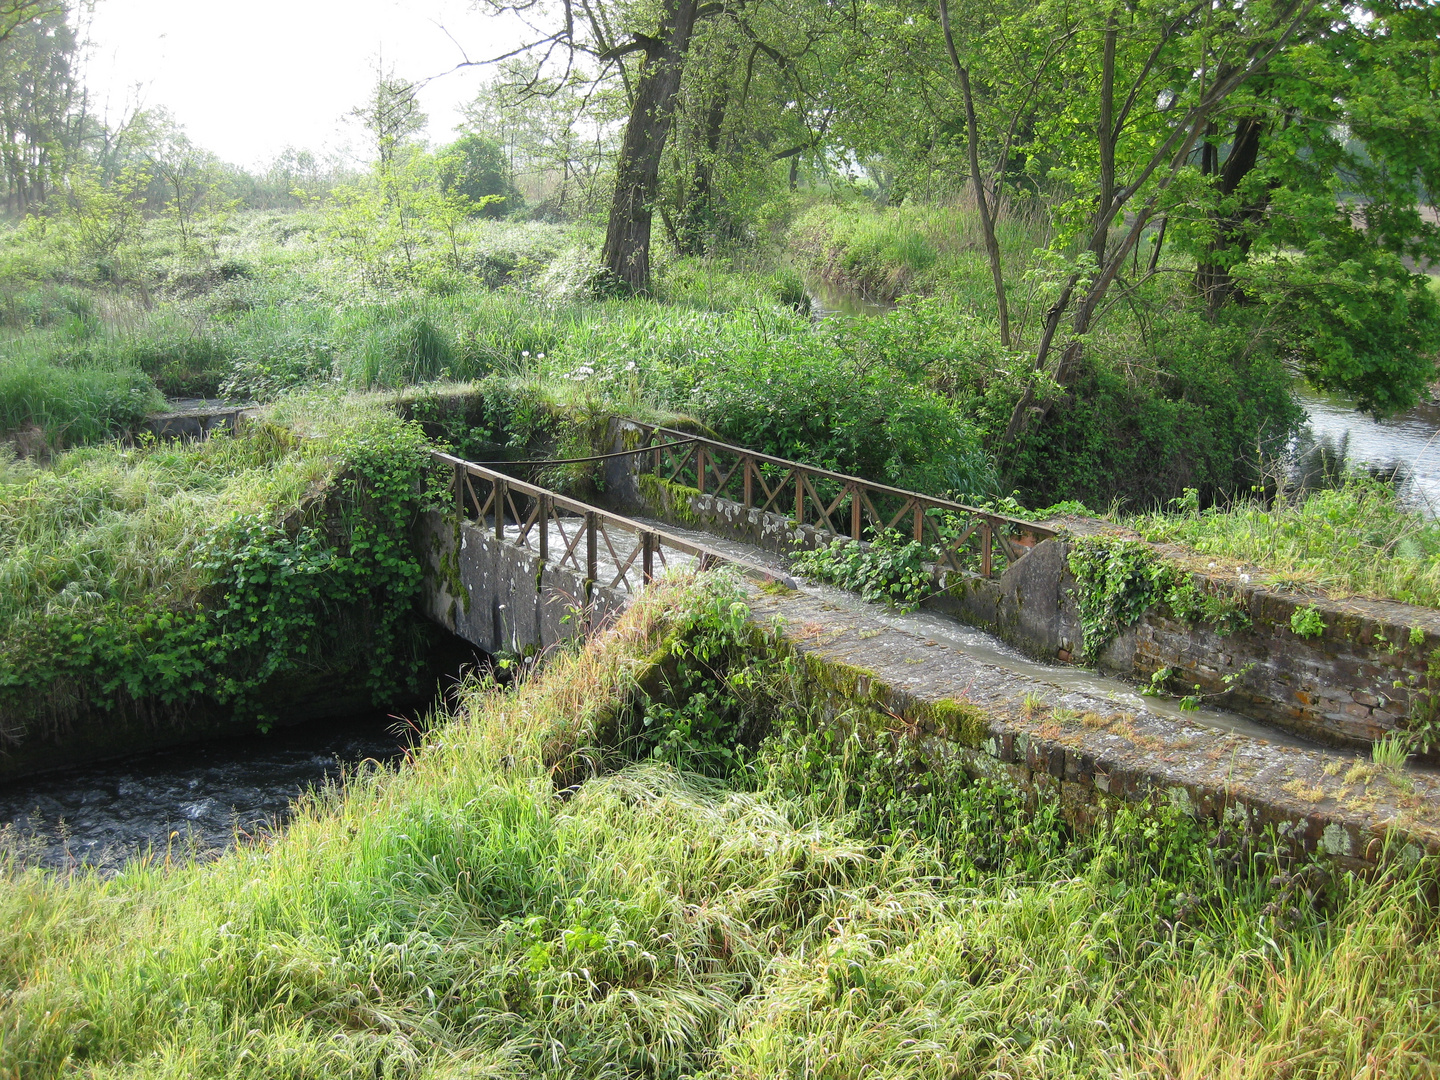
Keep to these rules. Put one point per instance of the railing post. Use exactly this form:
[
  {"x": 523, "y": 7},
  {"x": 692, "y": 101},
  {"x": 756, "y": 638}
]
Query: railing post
[
  {"x": 700, "y": 469},
  {"x": 799, "y": 497},
  {"x": 459, "y": 491},
  {"x": 544, "y": 528},
  {"x": 592, "y": 552},
  {"x": 985, "y": 547},
  {"x": 749, "y": 484},
  {"x": 854, "y": 511},
  {"x": 919, "y": 523},
  {"x": 647, "y": 556},
  {"x": 499, "y": 509}
]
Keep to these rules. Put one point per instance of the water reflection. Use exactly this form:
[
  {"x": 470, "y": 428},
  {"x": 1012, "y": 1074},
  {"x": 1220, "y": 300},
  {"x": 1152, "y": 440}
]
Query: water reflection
[{"x": 1408, "y": 441}]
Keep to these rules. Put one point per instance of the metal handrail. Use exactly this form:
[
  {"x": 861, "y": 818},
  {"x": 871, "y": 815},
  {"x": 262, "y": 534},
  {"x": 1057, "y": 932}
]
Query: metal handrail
[
  {"x": 1014, "y": 535},
  {"x": 593, "y": 520}
]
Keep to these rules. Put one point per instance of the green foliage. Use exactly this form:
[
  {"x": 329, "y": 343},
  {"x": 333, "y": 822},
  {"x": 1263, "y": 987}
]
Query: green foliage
[
  {"x": 709, "y": 714},
  {"x": 1306, "y": 622},
  {"x": 1215, "y": 405},
  {"x": 840, "y": 896},
  {"x": 1118, "y": 580},
  {"x": 1359, "y": 322},
  {"x": 254, "y": 595},
  {"x": 888, "y": 569},
  {"x": 799, "y": 397},
  {"x": 72, "y": 406},
  {"x": 1353, "y": 539},
  {"x": 1225, "y": 611},
  {"x": 473, "y": 167}
]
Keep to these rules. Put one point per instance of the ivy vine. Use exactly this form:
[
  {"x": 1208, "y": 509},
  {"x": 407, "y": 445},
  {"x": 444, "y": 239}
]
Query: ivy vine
[
  {"x": 281, "y": 599},
  {"x": 1119, "y": 579}
]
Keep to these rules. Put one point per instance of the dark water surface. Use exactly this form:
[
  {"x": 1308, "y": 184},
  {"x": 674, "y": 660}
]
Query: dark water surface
[{"x": 187, "y": 800}]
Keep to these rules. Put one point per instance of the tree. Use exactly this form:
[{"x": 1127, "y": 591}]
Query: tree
[
  {"x": 660, "y": 35},
  {"x": 38, "y": 95},
  {"x": 17, "y": 13},
  {"x": 472, "y": 169},
  {"x": 391, "y": 114},
  {"x": 1314, "y": 198}
]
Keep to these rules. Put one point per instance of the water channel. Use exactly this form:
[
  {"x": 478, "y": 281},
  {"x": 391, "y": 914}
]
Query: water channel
[{"x": 189, "y": 800}]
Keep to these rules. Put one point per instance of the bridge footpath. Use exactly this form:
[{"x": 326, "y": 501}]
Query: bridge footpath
[{"x": 517, "y": 567}]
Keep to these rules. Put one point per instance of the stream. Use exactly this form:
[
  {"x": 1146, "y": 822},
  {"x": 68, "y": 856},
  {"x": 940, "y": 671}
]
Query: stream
[{"x": 194, "y": 800}]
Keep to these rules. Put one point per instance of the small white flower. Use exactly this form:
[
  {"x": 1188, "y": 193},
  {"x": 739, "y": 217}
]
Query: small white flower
[
  {"x": 525, "y": 353},
  {"x": 541, "y": 356}
]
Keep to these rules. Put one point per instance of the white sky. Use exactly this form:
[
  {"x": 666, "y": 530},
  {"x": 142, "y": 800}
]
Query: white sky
[{"x": 247, "y": 79}]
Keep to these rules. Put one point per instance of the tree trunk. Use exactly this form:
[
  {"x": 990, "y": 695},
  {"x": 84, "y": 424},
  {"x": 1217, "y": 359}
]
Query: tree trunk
[
  {"x": 626, "y": 256},
  {"x": 1212, "y": 276},
  {"x": 977, "y": 181},
  {"x": 697, "y": 220}
]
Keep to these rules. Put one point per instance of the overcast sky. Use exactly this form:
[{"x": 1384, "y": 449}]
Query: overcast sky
[{"x": 247, "y": 79}]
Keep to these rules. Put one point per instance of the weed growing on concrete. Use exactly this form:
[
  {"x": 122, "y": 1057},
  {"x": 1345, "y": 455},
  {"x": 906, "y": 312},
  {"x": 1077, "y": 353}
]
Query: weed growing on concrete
[
  {"x": 1392, "y": 751},
  {"x": 1306, "y": 622},
  {"x": 889, "y": 569}
]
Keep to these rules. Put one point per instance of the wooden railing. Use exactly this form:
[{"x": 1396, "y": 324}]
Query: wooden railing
[
  {"x": 960, "y": 537},
  {"x": 571, "y": 534}
]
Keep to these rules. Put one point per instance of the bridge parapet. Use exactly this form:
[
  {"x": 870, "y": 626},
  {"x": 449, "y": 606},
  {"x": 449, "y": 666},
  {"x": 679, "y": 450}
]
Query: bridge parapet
[
  {"x": 518, "y": 566},
  {"x": 963, "y": 537}
]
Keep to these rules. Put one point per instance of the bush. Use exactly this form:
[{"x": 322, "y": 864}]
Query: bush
[{"x": 1212, "y": 408}]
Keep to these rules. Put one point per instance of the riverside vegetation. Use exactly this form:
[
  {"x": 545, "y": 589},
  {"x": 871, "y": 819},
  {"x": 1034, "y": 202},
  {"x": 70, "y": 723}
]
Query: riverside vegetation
[
  {"x": 654, "y": 857},
  {"x": 538, "y": 892}
]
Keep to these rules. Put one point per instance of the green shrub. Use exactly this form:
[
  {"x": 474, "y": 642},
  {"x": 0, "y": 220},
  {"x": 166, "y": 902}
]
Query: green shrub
[{"x": 888, "y": 570}]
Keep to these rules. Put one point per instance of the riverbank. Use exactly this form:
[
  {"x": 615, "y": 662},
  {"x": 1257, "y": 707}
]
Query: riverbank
[
  {"x": 821, "y": 903},
  {"x": 172, "y": 591}
]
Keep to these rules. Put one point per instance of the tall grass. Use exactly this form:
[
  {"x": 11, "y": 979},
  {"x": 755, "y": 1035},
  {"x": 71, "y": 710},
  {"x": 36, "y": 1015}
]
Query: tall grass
[
  {"x": 922, "y": 248},
  {"x": 114, "y": 527},
  {"x": 72, "y": 405},
  {"x": 1352, "y": 540},
  {"x": 457, "y": 918}
]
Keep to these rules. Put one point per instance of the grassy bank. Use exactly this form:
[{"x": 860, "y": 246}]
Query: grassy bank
[
  {"x": 1352, "y": 540},
  {"x": 821, "y": 910},
  {"x": 272, "y": 303},
  {"x": 169, "y": 575}
]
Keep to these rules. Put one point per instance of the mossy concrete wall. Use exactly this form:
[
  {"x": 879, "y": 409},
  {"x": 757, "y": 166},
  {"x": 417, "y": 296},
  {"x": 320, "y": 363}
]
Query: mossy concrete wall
[
  {"x": 1356, "y": 681},
  {"x": 916, "y": 696},
  {"x": 1339, "y": 687}
]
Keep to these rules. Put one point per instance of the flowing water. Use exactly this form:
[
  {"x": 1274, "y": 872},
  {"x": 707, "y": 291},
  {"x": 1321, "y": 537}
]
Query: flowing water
[
  {"x": 1408, "y": 444},
  {"x": 189, "y": 800}
]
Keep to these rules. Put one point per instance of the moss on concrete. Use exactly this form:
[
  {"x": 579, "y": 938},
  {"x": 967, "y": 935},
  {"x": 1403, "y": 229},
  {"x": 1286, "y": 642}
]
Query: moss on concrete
[
  {"x": 959, "y": 720},
  {"x": 669, "y": 499}
]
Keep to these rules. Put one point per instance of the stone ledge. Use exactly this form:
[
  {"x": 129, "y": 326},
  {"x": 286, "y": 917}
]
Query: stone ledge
[{"x": 1088, "y": 750}]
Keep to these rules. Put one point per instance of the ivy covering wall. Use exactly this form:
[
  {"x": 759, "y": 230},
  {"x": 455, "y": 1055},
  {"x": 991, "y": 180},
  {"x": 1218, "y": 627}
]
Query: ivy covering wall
[{"x": 167, "y": 578}]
